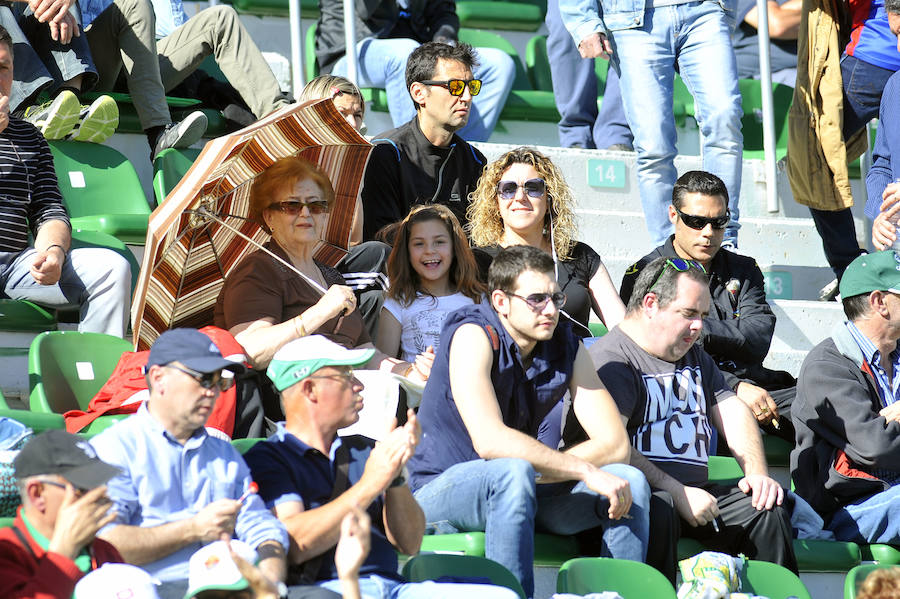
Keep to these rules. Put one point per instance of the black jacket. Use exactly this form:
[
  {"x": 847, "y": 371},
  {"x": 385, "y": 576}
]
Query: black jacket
[
  {"x": 406, "y": 169},
  {"x": 423, "y": 21},
  {"x": 738, "y": 331},
  {"x": 842, "y": 441}
]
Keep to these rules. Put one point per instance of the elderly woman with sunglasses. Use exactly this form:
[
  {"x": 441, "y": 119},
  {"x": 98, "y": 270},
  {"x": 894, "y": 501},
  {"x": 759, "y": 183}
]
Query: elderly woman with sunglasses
[
  {"x": 265, "y": 303},
  {"x": 522, "y": 199}
]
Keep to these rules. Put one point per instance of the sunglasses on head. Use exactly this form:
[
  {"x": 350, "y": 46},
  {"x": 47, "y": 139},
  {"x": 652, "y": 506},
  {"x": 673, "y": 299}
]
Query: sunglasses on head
[
  {"x": 679, "y": 264},
  {"x": 456, "y": 87},
  {"x": 699, "y": 222},
  {"x": 534, "y": 188},
  {"x": 295, "y": 207},
  {"x": 207, "y": 380},
  {"x": 538, "y": 301}
]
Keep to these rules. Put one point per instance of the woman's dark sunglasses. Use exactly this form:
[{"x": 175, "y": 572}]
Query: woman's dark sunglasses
[
  {"x": 534, "y": 188},
  {"x": 457, "y": 86},
  {"x": 538, "y": 301},
  {"x": 294, "y": 207},
  {"x": 207, "y": 380},
  {"x": 699, "y": 222}
]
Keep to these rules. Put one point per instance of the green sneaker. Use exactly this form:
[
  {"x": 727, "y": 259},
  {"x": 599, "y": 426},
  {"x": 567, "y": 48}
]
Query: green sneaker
[
  {"x": 97, "y": 122},
  {"x": 56, "y": 118}
]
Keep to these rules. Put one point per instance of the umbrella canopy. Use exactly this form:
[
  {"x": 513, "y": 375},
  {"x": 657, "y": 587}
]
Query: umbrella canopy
[{"x": 197, "y": 236}]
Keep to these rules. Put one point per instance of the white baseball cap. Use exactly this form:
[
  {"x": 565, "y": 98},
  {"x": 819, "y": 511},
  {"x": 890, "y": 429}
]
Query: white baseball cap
[
  {"x": 211, "y": 568},
  {"x": 116, "y": 581},
  {"x": 302, "y": 357}
]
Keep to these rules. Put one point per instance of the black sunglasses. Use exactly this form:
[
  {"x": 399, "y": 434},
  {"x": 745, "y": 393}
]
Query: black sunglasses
[
  {"x": 538, "y": 301},
  {"x": 679, "y": 264},
  {"x": 456, "y": 87},
  {"x": 207, "y": 380},
  {"x": 699, "y": 222},
  {"x": 534, "y": 188},
  {"x": 295, "y": 207}
]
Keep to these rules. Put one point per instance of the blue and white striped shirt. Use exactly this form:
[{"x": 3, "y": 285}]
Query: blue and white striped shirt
[{"x": 888, "y": 390}]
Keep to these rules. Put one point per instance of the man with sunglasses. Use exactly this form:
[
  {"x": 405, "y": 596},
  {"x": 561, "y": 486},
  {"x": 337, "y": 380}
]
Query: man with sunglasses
[
  {"x": 180, "y": 486},
  {"x": 738, "y": 331},
  {"x": 502, "y": 366},
  {"x": 425, "y": 160},
  {"x": 671, "y": 393},
  {"x": 52, "y": 543}
]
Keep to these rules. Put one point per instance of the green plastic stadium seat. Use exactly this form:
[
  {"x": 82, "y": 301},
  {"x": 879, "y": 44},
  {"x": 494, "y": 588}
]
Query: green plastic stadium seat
[
  {"x": 881, "y": 553},
  {"x": 538, "y": 64},
  {"x": 25, "y": 317},
  {"x": 431, "y": 566},
  {"x": 101, "y": 190},
  {"x": 751, "y": 123},
  {"x": 67, "y": 368},
  {"x": 778, "y": 451},
  {"x": 244, "y": 445},
  {"x": 549, "y": 550},
  {"x": 724, "y": 470},
  {"x": 631, "y": 580},
  {"x": 36, "y": 421},
  {"x": 168, "y": 169},
  {"x": 857, "y": 575},
  {"x": 812, "y": 555},
  {"x": 771, "y": 580},
  {"x": 598, "y": 329},
  {"x": 498, "y": 14},
  {"x": 309, "y": 9},
  {"x": 128, "y": 118}
]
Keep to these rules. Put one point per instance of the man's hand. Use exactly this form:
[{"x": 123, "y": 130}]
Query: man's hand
[
  {"x": 696, "y": 506},
  {"x": 596, "y": 45},
  {"x": 216, "y": 521},
  {"x": 884, "y": 234},
  {"x": 64, "y": 29},
  {"x": 891, "y": 412},
  {"x": 49, "y": 10},
  {"x": 79, "y": 520},
  {"x": 759, "y": 401},
  {"x": 4, "y": 112},
  {"x": 615, "y": 489},
  {"x": 353, "y": 546},
  {"x": 766, "y": 492},
  {"x": 46, "y": 268}
]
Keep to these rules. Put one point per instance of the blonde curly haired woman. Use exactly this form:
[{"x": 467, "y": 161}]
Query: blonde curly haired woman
[{"x": 522, "y": 199}]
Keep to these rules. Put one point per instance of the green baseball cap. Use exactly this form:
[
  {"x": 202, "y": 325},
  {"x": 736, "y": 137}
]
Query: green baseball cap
[
  {"x": 302, "y": 357},
  {"x": 878, "y": 271}
]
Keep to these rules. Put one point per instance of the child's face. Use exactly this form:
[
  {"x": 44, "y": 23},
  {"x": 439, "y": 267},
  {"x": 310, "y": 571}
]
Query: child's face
[{"x": 430, "y": 250}]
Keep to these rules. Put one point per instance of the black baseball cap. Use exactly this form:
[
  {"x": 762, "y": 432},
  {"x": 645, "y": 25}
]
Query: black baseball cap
[
  {"x": 65, "y": 454},
  {"x": 191, "y": 348}
]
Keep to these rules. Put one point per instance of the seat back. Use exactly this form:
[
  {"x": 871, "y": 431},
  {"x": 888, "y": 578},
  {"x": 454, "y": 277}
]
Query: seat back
[
  {"x": 430, "y": 566},
  {"x": 67, "y": 368},
  {"x": 169, "y": 167},
  {"x": 24, "y": 316},
  {"x": 752, "y": 121},
  {"x": 480, "y": 38},
  {"x": 538, "y": 64},
  {"x": 857, "y": 575},
  {"x": 631, "y": 580},
  {"x": 772, "y": 581}
]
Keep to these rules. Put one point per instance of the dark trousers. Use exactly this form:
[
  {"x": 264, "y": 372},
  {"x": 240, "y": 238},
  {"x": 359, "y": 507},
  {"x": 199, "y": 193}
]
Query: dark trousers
[
  {"x": 759, "y": 534},
  {"x": 863, "y": 84}
]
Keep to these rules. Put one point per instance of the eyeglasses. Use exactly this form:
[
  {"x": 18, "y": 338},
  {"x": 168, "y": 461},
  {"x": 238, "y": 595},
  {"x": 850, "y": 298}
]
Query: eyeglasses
[
  {"x": 699, "y": 222},
  {"x": 538, "y": 301},
  {"x": 295, "y": 207},
  {"x": 534, "y": 188},
  {"x": 346, "y": 376},
  {"x": 679, "y": 264},
  {"x": 207, "y": 380},
  {"x": 56, "y": 483},
  {"x": 456, "y": 87}
]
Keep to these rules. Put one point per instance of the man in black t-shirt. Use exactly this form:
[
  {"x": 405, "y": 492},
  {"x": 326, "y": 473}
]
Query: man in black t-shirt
[{"x": 671, "y": 393}]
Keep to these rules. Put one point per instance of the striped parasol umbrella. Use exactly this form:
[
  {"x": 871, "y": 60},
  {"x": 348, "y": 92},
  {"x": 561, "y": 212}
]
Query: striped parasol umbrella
[{"x": 200, "y": 232}]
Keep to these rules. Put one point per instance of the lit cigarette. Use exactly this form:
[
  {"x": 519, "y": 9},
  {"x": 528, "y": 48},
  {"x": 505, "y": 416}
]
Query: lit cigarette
[
  {"x": 775, "y": 424},
  {"x": 251, "y": 490},
  {"x": 715, "y": 525}
]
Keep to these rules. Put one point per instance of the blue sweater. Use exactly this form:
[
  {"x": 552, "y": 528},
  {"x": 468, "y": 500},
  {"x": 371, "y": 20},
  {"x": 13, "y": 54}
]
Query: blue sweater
[{"x": 886, "y": 154}]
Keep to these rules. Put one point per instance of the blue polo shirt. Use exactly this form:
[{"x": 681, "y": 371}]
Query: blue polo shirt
[
  {"x": 525, "y": 396},
  {"x": 287, "y": 469}
]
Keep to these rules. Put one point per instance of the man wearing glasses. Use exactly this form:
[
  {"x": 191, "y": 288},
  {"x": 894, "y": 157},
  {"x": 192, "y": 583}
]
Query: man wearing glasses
[
  {"x": 425, "y": 161},
  {"x": 738, "y": 330},
  {"x": 52, "y": 543},
  {"x": 312, "y": 478},
  {"x": 671, "y": 393},
  {"x": 501, "y": 368},
  {"x": 180, "y": 487}
]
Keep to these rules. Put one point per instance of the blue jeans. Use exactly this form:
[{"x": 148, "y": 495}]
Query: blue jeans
[
  {"x": 500, "y": 497},
  {"x": 95, "y": 281},
  {"x": 696, "y": 36},
  {"x": 870, "y": 520},
  {"x": 575, "y": 91},
  {"x": 382, "y": 63},
  {"x": 39, "y": 61},
  {"x": 379, "y": 587}
]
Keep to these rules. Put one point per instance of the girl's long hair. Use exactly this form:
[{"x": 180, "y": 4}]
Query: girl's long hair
[{"x": 404, "y": 280}]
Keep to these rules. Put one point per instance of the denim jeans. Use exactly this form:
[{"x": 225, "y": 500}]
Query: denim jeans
[
  {"x": 869, "y": 520},
  {"x": 379, "y": 587},
  {"x": 696, "y": 36},
  {"x": 94, "y": 280},
  {"x": 575, "y": 91},
  {"x": 501, "y": 498},
  {"x": 382, "y": 63}
]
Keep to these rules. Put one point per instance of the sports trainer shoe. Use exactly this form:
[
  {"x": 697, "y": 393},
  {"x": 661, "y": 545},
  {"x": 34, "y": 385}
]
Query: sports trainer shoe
[
  {"x": 56, "y": 118},
  {"x": 96, "y": 122},
  {"x": 183, "y": 134}
]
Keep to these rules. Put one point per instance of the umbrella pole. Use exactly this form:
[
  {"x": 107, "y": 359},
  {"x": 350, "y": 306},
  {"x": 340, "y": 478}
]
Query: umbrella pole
[{"x": 204, "y": 212}]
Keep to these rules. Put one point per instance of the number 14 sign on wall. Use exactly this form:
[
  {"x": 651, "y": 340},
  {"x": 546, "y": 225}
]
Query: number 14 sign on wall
[{"x": 606, "y": 173}]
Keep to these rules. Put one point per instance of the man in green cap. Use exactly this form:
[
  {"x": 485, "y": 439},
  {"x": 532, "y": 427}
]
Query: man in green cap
[{"x": 846, "y": 462}]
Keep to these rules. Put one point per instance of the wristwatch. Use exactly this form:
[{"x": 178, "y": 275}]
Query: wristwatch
[
  {"x": 282, "y": 590},
  {"x": 401, "y": 479}
]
